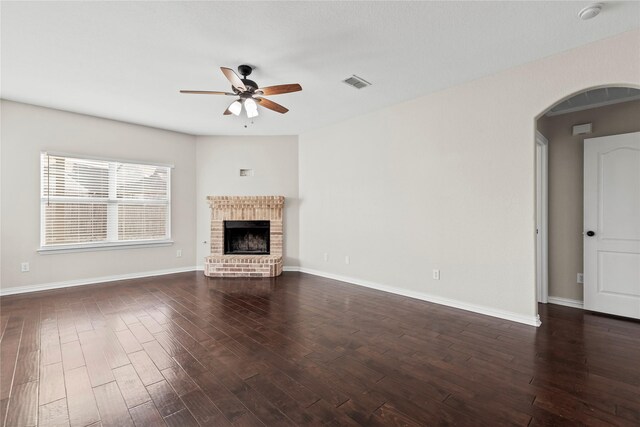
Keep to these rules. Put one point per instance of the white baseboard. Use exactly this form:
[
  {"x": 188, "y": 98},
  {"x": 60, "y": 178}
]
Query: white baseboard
[
  {"x": 95, "y": 280},
  {"x": 91, "y": 281},
  {"x": 507, "y": 315},
  {"x": 566, "y": 302}
]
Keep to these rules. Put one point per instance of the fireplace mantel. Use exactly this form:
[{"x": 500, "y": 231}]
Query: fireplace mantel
[{"x": 245, "y": 208}]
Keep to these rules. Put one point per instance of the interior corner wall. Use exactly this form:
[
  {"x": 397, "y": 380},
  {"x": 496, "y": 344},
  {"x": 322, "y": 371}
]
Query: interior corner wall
[
  {"x": 566, "y": 171},
  {"x": 274, "y": 164},
  {"x": 445, "y": 181},
  {"x": 28, "y": 130}
]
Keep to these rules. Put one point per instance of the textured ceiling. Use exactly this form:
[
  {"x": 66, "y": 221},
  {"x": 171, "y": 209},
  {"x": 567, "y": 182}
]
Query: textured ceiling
[{"x": 127, "y": 60}]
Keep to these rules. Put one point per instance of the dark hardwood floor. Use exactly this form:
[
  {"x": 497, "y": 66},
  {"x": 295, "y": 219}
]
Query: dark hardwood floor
[{"x": 184, "y": 350}]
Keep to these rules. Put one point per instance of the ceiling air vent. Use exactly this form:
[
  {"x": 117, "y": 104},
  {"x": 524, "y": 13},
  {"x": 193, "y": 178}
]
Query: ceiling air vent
[{"x": 356, "y": 82}]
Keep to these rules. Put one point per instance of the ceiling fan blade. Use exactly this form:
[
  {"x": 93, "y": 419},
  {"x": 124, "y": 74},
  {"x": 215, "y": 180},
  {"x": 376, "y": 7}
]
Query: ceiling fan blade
[
  {"x": 264, "y": 102},
  {"x": 207, "y": 92},
  {"x": 277, "y": 90},
  {"x": 233, "y": 78}
]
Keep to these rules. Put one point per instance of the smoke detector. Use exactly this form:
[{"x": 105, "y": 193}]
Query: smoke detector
[{"x": 590, "y": 11}]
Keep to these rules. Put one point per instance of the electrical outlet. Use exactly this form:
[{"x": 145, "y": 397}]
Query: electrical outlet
[
  {"x": 347, "y": 260},
  {"x": 436, "y": 274},
  {"x": 580, "y": 278},
  {"x": 326, "y": 257},
  {"x": 24, "y": 267},
  {"x": 178, "y": 253}
]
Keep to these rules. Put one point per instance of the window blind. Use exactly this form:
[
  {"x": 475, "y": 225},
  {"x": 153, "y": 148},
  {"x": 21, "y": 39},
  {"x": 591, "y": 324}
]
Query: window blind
[{"x": 90, "y": 201}]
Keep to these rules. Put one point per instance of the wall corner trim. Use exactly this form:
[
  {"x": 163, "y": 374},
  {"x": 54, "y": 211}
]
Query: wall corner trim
[
  {"x": 488, "y": 311},
  {"x": 91, "y": 281},
  {"x": 566, "y": 302}
]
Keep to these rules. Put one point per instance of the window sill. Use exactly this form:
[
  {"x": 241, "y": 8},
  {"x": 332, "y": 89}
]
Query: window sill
[{"x": 51, "y": 250}]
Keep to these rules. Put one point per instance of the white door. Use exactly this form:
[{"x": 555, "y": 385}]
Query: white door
[{"x": 612, "y": 224}]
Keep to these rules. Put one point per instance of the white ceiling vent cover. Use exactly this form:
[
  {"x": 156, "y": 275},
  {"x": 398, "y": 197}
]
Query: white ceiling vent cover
[{"x": 356, "y": 82}]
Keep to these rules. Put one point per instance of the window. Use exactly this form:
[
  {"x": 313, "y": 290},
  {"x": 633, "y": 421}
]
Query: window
[{"x": 93, "y": 203}]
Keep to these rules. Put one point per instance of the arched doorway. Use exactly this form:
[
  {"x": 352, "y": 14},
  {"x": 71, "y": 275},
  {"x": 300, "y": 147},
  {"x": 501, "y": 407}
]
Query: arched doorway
[{"x": 568, "y": 263}]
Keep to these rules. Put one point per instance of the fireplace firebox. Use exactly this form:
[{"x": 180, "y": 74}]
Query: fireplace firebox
[{"x": 246, "y": 237}]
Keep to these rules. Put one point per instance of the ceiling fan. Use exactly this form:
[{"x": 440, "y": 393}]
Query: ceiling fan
[{"x": 247, "y": 90}]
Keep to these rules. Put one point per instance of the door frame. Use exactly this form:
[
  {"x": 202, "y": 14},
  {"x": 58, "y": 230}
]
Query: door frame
[
  {"x": 537, "y": 136},
  {"x": 542, "y": 216}
]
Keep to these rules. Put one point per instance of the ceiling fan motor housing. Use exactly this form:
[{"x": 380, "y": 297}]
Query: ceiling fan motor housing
[
  {"x": 250, "y": 84},
  {"x": 244, "y": 71}
]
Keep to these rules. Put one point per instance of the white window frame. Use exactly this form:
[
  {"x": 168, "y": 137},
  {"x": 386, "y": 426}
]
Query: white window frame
[{"x": 112, "y": 203}]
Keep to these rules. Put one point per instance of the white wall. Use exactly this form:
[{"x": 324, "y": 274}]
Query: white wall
[
  {"x": 274, "y": 160},
  {"x": 26, "y": 131},
  {"x": 445, "y": 181}
]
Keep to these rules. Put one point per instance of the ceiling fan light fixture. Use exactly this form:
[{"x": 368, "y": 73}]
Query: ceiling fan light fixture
[
  {"x": 235, "y": 108},
  {"x": 251, "y": 108}
]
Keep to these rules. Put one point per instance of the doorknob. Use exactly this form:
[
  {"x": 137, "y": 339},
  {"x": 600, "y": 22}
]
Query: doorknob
[{"x": 591, "y": 233}]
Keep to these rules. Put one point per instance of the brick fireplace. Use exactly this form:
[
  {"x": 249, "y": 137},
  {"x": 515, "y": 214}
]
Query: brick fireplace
[{"x": 246, "y": 236}]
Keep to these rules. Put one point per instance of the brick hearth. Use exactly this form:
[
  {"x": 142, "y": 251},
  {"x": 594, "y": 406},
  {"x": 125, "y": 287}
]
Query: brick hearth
[{"x": 245, "y": 208}]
